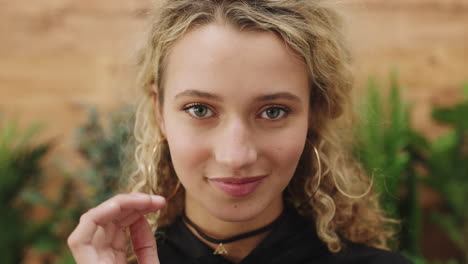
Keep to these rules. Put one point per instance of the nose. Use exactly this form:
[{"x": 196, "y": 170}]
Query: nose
[{"x": 235, "y": 147}]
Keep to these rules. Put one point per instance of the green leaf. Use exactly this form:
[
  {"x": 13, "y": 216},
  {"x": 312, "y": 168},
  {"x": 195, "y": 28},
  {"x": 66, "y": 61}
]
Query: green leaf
[
  {"x": 46, "y": 243},
  {"x": 36, "y": 198},
  {"x": 465, "y": 91}
]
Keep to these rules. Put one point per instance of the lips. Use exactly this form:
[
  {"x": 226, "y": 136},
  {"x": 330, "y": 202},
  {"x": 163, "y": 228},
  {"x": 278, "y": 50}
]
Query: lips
[{"x": 237, "y": 186}]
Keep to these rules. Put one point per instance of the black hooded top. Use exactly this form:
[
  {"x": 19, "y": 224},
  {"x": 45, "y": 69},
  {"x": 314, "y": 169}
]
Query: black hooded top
[{"x": 292, "y": 241}]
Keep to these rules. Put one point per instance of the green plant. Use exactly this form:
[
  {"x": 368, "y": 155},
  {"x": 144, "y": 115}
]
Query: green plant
[
  {"x": 104, "y": 145},
  {"x": 20, "y": 165},
  {"x": 22, "y": 178},
  {"x": 384, "y": 143},
  {"x": 390, "y": 150},
  {"x": 446, "y": 160}
]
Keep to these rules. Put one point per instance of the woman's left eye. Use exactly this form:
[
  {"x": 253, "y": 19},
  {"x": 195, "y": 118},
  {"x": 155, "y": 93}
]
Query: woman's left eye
[{"x": 274, "y": 113}]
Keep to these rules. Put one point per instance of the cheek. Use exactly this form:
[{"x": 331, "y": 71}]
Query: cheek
[
  {"x": 285, "y": 152},
  {"x": 187, "y": 151},
  {"x": 288, "y": 154}
]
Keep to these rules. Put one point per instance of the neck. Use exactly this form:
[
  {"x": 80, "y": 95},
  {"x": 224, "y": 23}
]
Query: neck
[
  {"x": 219, "y": 228},
  {"x": 237, "y": 250}
]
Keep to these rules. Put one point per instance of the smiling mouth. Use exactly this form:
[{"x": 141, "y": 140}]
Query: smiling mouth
[{"x": 237, "y": 186}]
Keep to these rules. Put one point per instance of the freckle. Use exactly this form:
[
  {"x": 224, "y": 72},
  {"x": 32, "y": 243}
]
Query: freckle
[{"x": 235, "y": 206}]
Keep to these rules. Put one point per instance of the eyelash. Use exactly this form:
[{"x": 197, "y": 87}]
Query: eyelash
[
  {"x": 283, "y": 108},
  {"x": 186, "y": 108}
]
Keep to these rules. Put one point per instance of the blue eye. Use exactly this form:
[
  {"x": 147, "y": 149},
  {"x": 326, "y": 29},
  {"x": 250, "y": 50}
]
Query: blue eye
[
  {"x": 198, "y": 110},
  {"x": 274, "y": 113}
]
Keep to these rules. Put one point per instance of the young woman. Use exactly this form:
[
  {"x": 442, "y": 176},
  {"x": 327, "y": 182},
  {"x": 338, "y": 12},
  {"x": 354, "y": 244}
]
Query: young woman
[{"x": 241, "y": 130}]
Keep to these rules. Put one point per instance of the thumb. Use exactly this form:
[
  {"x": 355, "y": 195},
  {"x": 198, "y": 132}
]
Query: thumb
[{"x": 144, "y": 242}]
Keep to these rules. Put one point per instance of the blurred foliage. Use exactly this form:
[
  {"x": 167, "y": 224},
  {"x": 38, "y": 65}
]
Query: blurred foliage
[
  {"x": 22, "y": 183},
  {"x": 384, "y": 139},
  {"x": 446, "y": 160},
  {"x": 391, "y": 151},
  {"x": 104, "y": 145},
  {"x": 20, "y": 164},
  {"x": 22, "y": 180}
]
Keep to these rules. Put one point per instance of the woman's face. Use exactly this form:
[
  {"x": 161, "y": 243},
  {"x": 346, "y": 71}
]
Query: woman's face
[{"x": 235, "y": 114}]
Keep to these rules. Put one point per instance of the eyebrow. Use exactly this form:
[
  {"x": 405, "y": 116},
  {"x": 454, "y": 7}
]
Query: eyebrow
[
  {"x": 281, "y": 95},
  {"x": 268, "y": 97},
  {"x": 198, "y": 93}
]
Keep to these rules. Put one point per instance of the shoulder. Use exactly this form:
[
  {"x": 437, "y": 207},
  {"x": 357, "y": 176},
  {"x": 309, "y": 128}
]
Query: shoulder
[{"x": 362, "y": 254}]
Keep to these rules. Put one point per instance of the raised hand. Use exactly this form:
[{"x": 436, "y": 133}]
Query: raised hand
[{"x": 100, "y": 236}]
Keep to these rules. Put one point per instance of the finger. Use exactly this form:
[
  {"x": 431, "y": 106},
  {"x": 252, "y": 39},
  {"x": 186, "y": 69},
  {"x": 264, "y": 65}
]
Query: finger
[
  {"x": 84, "y": 232},
  {"x": 118, "y": 207},
  {"x": 144, "y": 243},
  {"x": 88, "y": 238},
  {"x": 129, "y": 220},
  {"x": 119, "y": 242},
  {"x": 111, "y": 210},
  {"x": 111, "y": 230},
  {"x": 100, "y": 237}
]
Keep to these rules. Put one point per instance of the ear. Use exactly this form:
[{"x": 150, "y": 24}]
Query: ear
[{"x": 157, "y": 108}]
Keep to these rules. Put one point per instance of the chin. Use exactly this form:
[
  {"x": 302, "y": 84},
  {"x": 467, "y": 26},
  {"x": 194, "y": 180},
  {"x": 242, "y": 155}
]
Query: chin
[
  {"x": 236, "y": 215},
  {"x": 239, "y": 211}
]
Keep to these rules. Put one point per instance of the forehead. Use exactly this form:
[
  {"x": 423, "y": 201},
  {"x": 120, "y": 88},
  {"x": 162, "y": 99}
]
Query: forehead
[{"x": 218, "y": 57}]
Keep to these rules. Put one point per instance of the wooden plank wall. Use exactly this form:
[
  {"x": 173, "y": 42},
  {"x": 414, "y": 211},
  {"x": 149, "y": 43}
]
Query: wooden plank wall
[{"x": 58, "y": 56}]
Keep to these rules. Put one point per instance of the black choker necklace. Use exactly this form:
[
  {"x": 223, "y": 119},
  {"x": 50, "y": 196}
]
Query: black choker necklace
[{"x": 220, "y": 250}]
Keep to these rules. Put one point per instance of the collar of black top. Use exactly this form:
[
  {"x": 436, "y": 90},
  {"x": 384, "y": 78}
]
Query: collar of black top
[
  {"x": 293, "y": 232},
  {"x": 237, "y": 237}
]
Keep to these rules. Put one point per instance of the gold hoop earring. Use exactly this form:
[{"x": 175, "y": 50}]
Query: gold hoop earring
[
  {"x": 305, "y": 203},
  {"x": 319, "y": 173},
  {"x": 174, "y": 192},
  {"x": 319, "y": 170}
]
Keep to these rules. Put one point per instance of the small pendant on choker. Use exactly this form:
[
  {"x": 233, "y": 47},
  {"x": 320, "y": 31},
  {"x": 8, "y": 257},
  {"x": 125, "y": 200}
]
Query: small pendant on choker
[{"x": 220, "y": 250}]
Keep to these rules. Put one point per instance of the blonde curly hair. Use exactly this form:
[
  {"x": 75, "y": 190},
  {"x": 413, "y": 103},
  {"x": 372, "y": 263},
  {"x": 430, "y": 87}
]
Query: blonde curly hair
[{"x": 340, "y": 201}]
